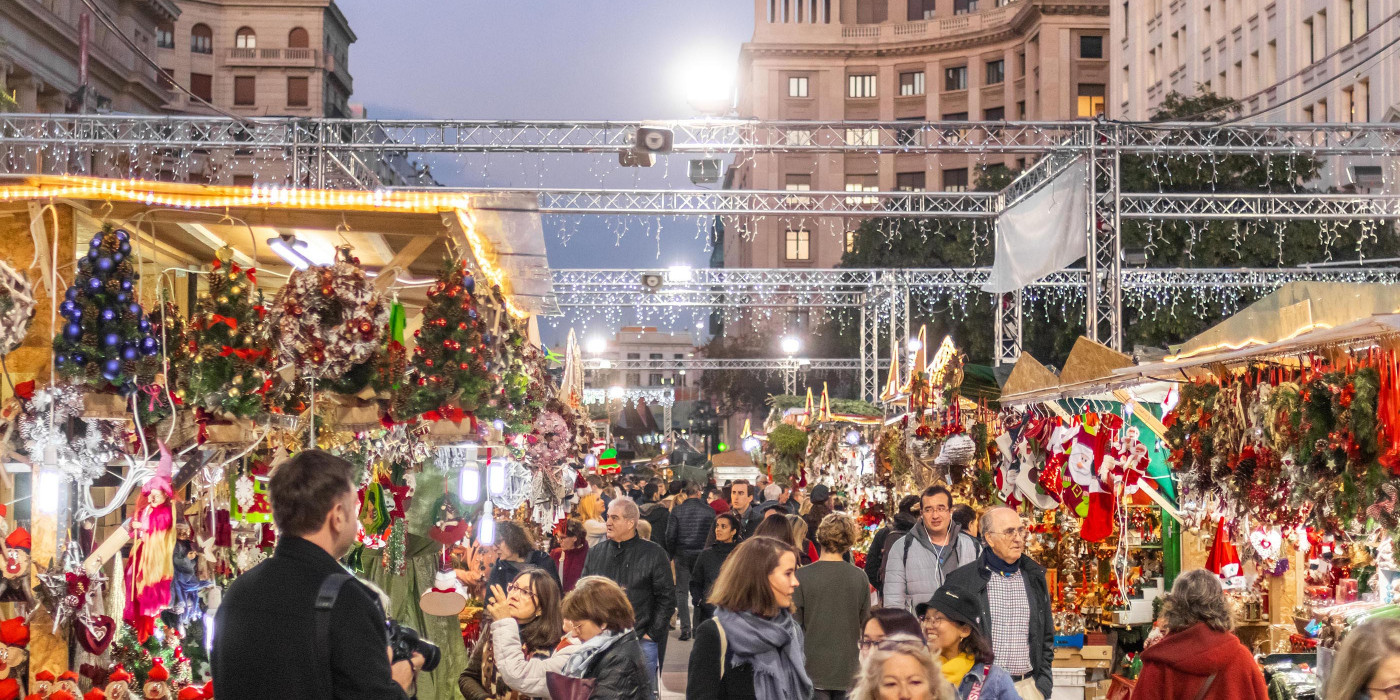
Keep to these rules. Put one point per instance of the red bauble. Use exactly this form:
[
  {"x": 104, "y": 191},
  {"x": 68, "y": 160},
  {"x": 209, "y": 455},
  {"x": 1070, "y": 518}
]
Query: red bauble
[
  {"x": 418, "y": 334},
  {"x": 326, "y": 290},
  {"x": 461, "y": 326},
  {"x": 447, "y": 343},
  {"x": 428, "y": 362},
  {"x": 465, "y": 366}
]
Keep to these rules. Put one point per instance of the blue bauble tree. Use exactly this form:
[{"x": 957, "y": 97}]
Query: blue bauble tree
[{"x": 105, "y": 340}]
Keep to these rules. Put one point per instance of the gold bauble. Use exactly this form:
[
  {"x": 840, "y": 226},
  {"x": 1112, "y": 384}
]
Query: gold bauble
[
  {"x": 238, "y": 380},
  {"x": 223, "y": 300},
  {"x": 233, "y": 392},
  {"x": 235, "y": 289}
]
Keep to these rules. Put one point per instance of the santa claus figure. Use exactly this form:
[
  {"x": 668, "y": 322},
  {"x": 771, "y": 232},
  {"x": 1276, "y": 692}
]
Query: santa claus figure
[
  {"x": 95, "y": 694},
  {"x": 43, "y": 683},
  {"x": 151, "y": 567},
  {"x": 14, "y": 644},
  {"x": 9, "y": 689},
  {"x": 118, "y": 684},
  {"x": 157, "y": 683},
  {"x": 190, "y": 692},
  {"x": 62, "y": 695},
  {"x": 14, "y": 584},
  {"x": 68, "y": 681}
]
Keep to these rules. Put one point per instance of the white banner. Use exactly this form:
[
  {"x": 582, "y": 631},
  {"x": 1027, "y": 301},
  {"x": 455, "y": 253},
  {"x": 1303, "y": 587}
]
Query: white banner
[{"x": 1043, "y": 233}]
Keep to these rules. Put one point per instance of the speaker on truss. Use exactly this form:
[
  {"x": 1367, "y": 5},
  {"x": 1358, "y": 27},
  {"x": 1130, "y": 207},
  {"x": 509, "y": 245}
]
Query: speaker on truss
[
  {"x": 654, "y": 139},
  {"x": 652, "y": 281},
  {"x": 635, "y": 159}
]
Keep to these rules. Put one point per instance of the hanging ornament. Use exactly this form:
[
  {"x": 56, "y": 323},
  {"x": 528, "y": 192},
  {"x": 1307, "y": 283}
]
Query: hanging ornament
[
  {"x": 319, "y": 319},
  {"x": 516, "y": 487},
  {"x": 445, "y": 598},
  {"x": 16, "y": 307}
]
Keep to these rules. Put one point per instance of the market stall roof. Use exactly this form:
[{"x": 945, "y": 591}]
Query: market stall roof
[
  {"x": 1091, "y": 372},
  {"x": 1290, "y": 311},
  {"x": 732, "y": 458},
  {"x": 411, "y": 230},
  {"x": 1028, "y": 375},
  {"x": 1363, "y": 331}
]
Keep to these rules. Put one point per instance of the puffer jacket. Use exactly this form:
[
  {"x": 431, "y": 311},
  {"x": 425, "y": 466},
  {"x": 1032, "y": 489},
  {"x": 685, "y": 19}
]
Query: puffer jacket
[
  {"x": 880, "y": 546},
  {"x": 659, "y": 516},
  {"x": 912, "y": 570},
  {"x": 641, "y": 568},
  {"x": 621, "y": 671},
  {"x": 690, "y": 527}
]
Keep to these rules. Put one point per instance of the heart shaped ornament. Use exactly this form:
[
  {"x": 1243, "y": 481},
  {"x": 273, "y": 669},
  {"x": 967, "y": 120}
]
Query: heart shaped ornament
[
  {"x": 96, "y": 632},
  {"x": 1268, "y": 544}
]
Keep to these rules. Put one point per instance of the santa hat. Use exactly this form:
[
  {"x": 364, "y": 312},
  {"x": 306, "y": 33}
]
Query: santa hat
[
  {"x": 95, "y": 694},
  {"x": 1224, "y": 559},
  {"x": 19, "y": 539},
  {"x": 68, "y": 676},
  {"x": 119, "y": 674},
  {"x": 61, "y": 695},
  {"x": 9, "y": 689},
  {"x": 33, "y": 696},
  {"x": 209, "y": 690},
  {"x": 158, "y": 672},
  {"x": 44, "y": 676},
  {"x": 164, "y": 468},
  {"x": 190, "y": 692},
  {"x": 14, "y": 633}
]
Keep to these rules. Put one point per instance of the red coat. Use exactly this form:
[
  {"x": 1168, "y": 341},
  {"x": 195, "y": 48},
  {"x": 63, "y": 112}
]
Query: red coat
[
  {"x": 571, "y": 566},
  {"x": 1176, "y": 667}
]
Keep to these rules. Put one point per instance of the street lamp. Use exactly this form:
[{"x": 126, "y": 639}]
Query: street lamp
[
  {"x": 708, "y": 81},
  {"x": 596, "y": 346},
  {"x": 915, "y": 345},
  {"x": 791, "y": 344}
]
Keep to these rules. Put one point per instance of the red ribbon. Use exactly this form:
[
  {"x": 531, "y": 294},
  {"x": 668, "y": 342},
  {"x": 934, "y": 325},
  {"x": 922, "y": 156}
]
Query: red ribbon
[
  {"x": 25, "y": 390},
  {"x": 246, "y": 355},
  {"x": 215, "y": 319},
  {"x": 153, "y": 391},
  {"x": 252, "y": 275},
  {"x": 265, "y": 387}
]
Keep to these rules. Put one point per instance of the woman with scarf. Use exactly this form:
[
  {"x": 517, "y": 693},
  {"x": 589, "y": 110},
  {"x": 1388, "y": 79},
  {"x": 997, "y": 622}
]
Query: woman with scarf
[
  {"x": 599, "y": 615},
  {"x": 510, "y": 662},
  {"x": 727, "y": 533},
  {"x": 753, "y": 646},
  {"x": 951, "y": 620}
]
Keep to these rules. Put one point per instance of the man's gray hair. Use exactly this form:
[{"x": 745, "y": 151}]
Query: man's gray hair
[
  {"x": 626, "y": 507},
  {"x": 984, "y": 524},
  {"x": 772, "y": 492}
]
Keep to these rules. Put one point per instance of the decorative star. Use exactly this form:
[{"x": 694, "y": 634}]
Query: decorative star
[{"x": 206, "y": 548}]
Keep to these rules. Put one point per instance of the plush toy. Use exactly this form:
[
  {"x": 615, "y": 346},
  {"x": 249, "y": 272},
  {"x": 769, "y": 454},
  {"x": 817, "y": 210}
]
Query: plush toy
[
  {"x": 62, "y": 695},
  {"x": 157, "y": 682},
  {"x": 118, "y": 684},
  {"x": 151, "y": 568},
  {"x": 209, "y": 690},
  {"x": 43, "y": 683},
  {"x": 14, "y": 638},
  {"x": 14, "y": 585},
  {"x": 187, "y": 584},
  {"x": 95, "y": 694},
  {"x": 68, "y": 681},
  {"x": 190, "y": 692}
]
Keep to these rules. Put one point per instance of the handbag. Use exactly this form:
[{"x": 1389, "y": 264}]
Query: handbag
[{"x": 562, "y": 687}]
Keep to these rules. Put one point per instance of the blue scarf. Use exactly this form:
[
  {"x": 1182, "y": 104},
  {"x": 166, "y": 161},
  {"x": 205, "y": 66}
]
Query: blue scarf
[
  {"x": 775, "y": 650},
  {"x": 578, "y": 663},
  {"x": 999, "y": 565}
]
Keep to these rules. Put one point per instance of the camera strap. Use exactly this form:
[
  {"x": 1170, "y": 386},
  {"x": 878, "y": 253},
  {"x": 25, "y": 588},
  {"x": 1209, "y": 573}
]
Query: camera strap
[{"x": 325, "y": 603}]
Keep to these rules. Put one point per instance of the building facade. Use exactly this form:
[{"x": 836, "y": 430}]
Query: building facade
[
  {"x": 642, "y": 344},
  {"x": 41, "y": 45},
  {"x": 1262, "y": 53},
  {"x": 889, "y": 60}
]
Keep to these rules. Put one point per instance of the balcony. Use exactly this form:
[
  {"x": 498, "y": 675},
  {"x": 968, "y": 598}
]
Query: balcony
[
  {"x": 281, "y": 58},
  {"x": 931, "y": 28}
]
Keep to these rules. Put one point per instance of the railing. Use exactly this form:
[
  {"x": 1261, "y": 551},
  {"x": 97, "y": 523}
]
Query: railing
[{"x": 273, "y": 56}]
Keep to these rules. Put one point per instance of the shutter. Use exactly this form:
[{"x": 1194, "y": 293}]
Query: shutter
[
  {"x": 202, "y": 85},
  {"x": 297, "y": 92},
  {"x": 244, "y": 90}
]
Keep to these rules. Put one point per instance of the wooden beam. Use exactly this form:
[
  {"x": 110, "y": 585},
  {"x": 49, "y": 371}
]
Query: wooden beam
[{"x": 405, "y": 257}]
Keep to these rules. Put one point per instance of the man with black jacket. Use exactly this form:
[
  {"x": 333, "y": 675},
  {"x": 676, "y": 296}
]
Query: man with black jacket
[
  {"x": 641, "y": 568},
  {"x": 686, "y": 535},
  {"x": 266, "y": 638},
  {"x": 904, "y": 521},
  {"x": 1015, "y": 600}
]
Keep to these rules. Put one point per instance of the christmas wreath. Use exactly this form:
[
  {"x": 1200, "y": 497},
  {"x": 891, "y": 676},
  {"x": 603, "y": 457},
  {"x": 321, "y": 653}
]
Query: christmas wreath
[{"x": 326, "y": 320}]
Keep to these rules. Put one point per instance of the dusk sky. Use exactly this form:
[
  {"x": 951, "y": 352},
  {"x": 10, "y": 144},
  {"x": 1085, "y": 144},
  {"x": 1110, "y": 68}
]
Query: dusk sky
[{"x": 551, "y": 59}]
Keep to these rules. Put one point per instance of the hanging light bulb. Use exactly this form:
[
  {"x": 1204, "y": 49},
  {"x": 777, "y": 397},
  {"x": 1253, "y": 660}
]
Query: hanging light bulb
[
  {"x": 486, "y": 527},
  {"x": 853, "y": 437},
  {"x": 496, "y": 478},
  {"x": 469, "y": 485},
  {"x": 751, "y": 444}
]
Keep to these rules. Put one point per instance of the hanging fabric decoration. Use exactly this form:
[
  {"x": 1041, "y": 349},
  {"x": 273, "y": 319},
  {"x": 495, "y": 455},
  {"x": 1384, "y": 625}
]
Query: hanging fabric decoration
[
  {"x": 1224, "y": 559},
  {"x": 16, "y": 307},
  {"x": 328, "y": 319},
  {"x": 445, "y": 598},
  {"x": 151, "y": 568}
]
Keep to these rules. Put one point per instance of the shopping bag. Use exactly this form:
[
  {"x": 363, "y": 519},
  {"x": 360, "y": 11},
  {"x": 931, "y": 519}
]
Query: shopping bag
[{"x": 563, "y": 687}]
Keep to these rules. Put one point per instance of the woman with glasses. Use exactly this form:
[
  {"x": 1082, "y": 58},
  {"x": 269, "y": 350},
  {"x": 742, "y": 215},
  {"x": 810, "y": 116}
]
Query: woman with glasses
[
  {"x": 832, "y": 604},
  {"x": 900, "y": 667},
  {"x": 752, "y": 648},
  {"x": 707, "y": 566},
  {"x": 1200, "y": 658},
  {"x": 598, "y": 614},
  {"x": 951, "y": 620},
  {"x": 887, "y": 622},
  {"x": 1368, "y": 664},
  {"x": 526, "y": 624}
]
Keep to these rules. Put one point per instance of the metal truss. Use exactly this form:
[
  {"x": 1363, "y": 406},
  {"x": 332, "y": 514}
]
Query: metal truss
[
  {"x": 1319, "y": 206},
  {"x": 1104, "y": 314},
  {"x": 761, "y": 203},
  {"x": 1007, "y": 327},
  {"x": 707, "y": 364},
  {"x": 653, "y": 395}
]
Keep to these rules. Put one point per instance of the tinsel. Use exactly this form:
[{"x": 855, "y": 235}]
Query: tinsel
[
  {"x": 395, "y": 552},
  {"x": 518, "y": 484},
  {"x": 81, "y": 458},
  {"x": 326, "y": 320},
  {"x": 16, "y": 307}
]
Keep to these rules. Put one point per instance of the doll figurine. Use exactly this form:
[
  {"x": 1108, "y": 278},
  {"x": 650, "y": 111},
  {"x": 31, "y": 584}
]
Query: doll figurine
[
  {"x": 14, "y": 584},
  {"x": 68, "y": 681},
  {"x": 151, "y": 567},
  {"x": 157, "y": 683},
  {"x": 118, "y": 684}
]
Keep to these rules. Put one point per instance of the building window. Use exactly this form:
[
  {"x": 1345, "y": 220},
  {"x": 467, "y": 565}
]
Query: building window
[
  {"x": 298, "y": 38},
  {"x": 201, "y": 39},
  {"x": 654, "y": 379},
  {"x": 679, "y": 356},
  {"x": 165, "y": 37},
  {"x": 955, "y": 78},
  {"x": 955, "y": 117},
  {"x": 920, "y": 9},
  {"x": 850, "y": 241},
  {"x": 166, "y": 78},
  {"x": 656, "y": 356},
  {"x": 963, "y": 7},
  {"x": 908, "y": 136},
  {"x": 861, "y": 86},
  {"x": 202, "y": 86},
  {"x": 1091, "y": 46},
  {"x": 799, "y": 137},
  {"x": 1021, "y": 64},
  {"x": 1021, "y": 109},
  {"x": 911, "y": 83},
  {"x": 955, "y": 180},
  {"x": 862, "y": 137},
  {"x": 996, "y": 71},
  {"x": 799, "y": 245},
  {"x": 245, "y": 90},
  {"x": 871, "y": 11},
  {"x": 798, "y": 183},
  {"x": 909, "y": 182},
  {"x": 995, "y": 114},
  {"x": 298, "y": 94},
  {"x": 1311, "y": 38},
  {"x": 1091, "y": 98},
  {"x": 634, "y": 356},
  {"x": 245, "y": 39},
  {"x": 634, "y": 379},
  {"x": 862, "y": 183},
  {"x": 797, "y": 86}
]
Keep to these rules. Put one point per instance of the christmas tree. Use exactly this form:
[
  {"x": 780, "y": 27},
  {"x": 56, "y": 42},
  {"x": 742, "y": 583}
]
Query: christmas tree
[
  {"x": 228, "y": 371},
  {"x": 451, "y": 362},
  {"x": 138, "y": 658},
  {"x": 106, "y": 338}
]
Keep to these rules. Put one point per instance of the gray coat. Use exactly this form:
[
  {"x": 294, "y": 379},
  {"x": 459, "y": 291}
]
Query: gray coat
[{"x": 912, "y": 569}]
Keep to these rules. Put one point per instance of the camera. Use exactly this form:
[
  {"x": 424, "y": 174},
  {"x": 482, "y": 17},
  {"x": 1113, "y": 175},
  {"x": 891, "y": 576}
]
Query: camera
[{"x": 405, "y": 642}]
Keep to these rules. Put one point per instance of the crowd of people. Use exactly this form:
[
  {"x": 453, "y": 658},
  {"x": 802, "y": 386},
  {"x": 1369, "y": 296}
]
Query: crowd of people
[{"x": 948, "y": 606}]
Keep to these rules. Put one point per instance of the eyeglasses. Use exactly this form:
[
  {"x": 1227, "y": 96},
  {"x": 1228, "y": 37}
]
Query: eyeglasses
[
  {"x": 938, "y": 510},
  {"x": 1391, "y": 693},
  {"x": 1020, "y": 532},
  {"x": 933, "y": 620},
  {"x": 522, "y": 590}
]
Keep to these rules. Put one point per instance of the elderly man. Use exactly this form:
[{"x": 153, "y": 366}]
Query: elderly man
[
  {"x": 916, "y": 564},
  {"x": 1015, "y": 602},
  {"x": 641, "y": 568}
]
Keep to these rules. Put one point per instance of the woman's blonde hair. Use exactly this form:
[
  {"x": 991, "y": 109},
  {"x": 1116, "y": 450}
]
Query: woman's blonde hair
[
  {"x": 872, "y": 671},
  {"x": 1364, "y": 650}
]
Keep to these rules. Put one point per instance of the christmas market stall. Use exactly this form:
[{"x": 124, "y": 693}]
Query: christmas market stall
[
  {"x": 166, "y": 346},
  {"x": 1284, "y": 444}
]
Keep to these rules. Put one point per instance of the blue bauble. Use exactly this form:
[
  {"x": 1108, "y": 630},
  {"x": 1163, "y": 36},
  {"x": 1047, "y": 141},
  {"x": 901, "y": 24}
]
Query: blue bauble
[
  {"x": 96, "y": 241},
  {"x": 118, "y": 257},
  {"x": 129, "y": 352},
  {"x": 134, "y": 309},
  {"x": 144, "y": 325},
  {"x": 94, "y": 251},
  {"x": 105, "y": 264},
  {"x": 94, "y": 284},
  {"x": 71, "y": 294},
  {"x": 67, "y": 308},
  {"x": 471, "y": 313},
  {"x": 149, "y": 345},
  {"x": 85, "y": 265},
  {"x": 469, "y": 283},
  {"x": 110, "y": 376},
  {"x": 109, "y": 315},
  {"x": 111, "y": 340},
  {"x": 72, "y": 331},
  {"x": 79, "y": 358},
  {"x": 112, "y": 366},
  {"x": 60, "y": 360},
  {"x": 126, "y": 285},
  {"x": 77, "y": 313},
  {"x": 124, "y": 248},
  {"x": 122, "y": 297},
  {"x": 122, "y": 235}
]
